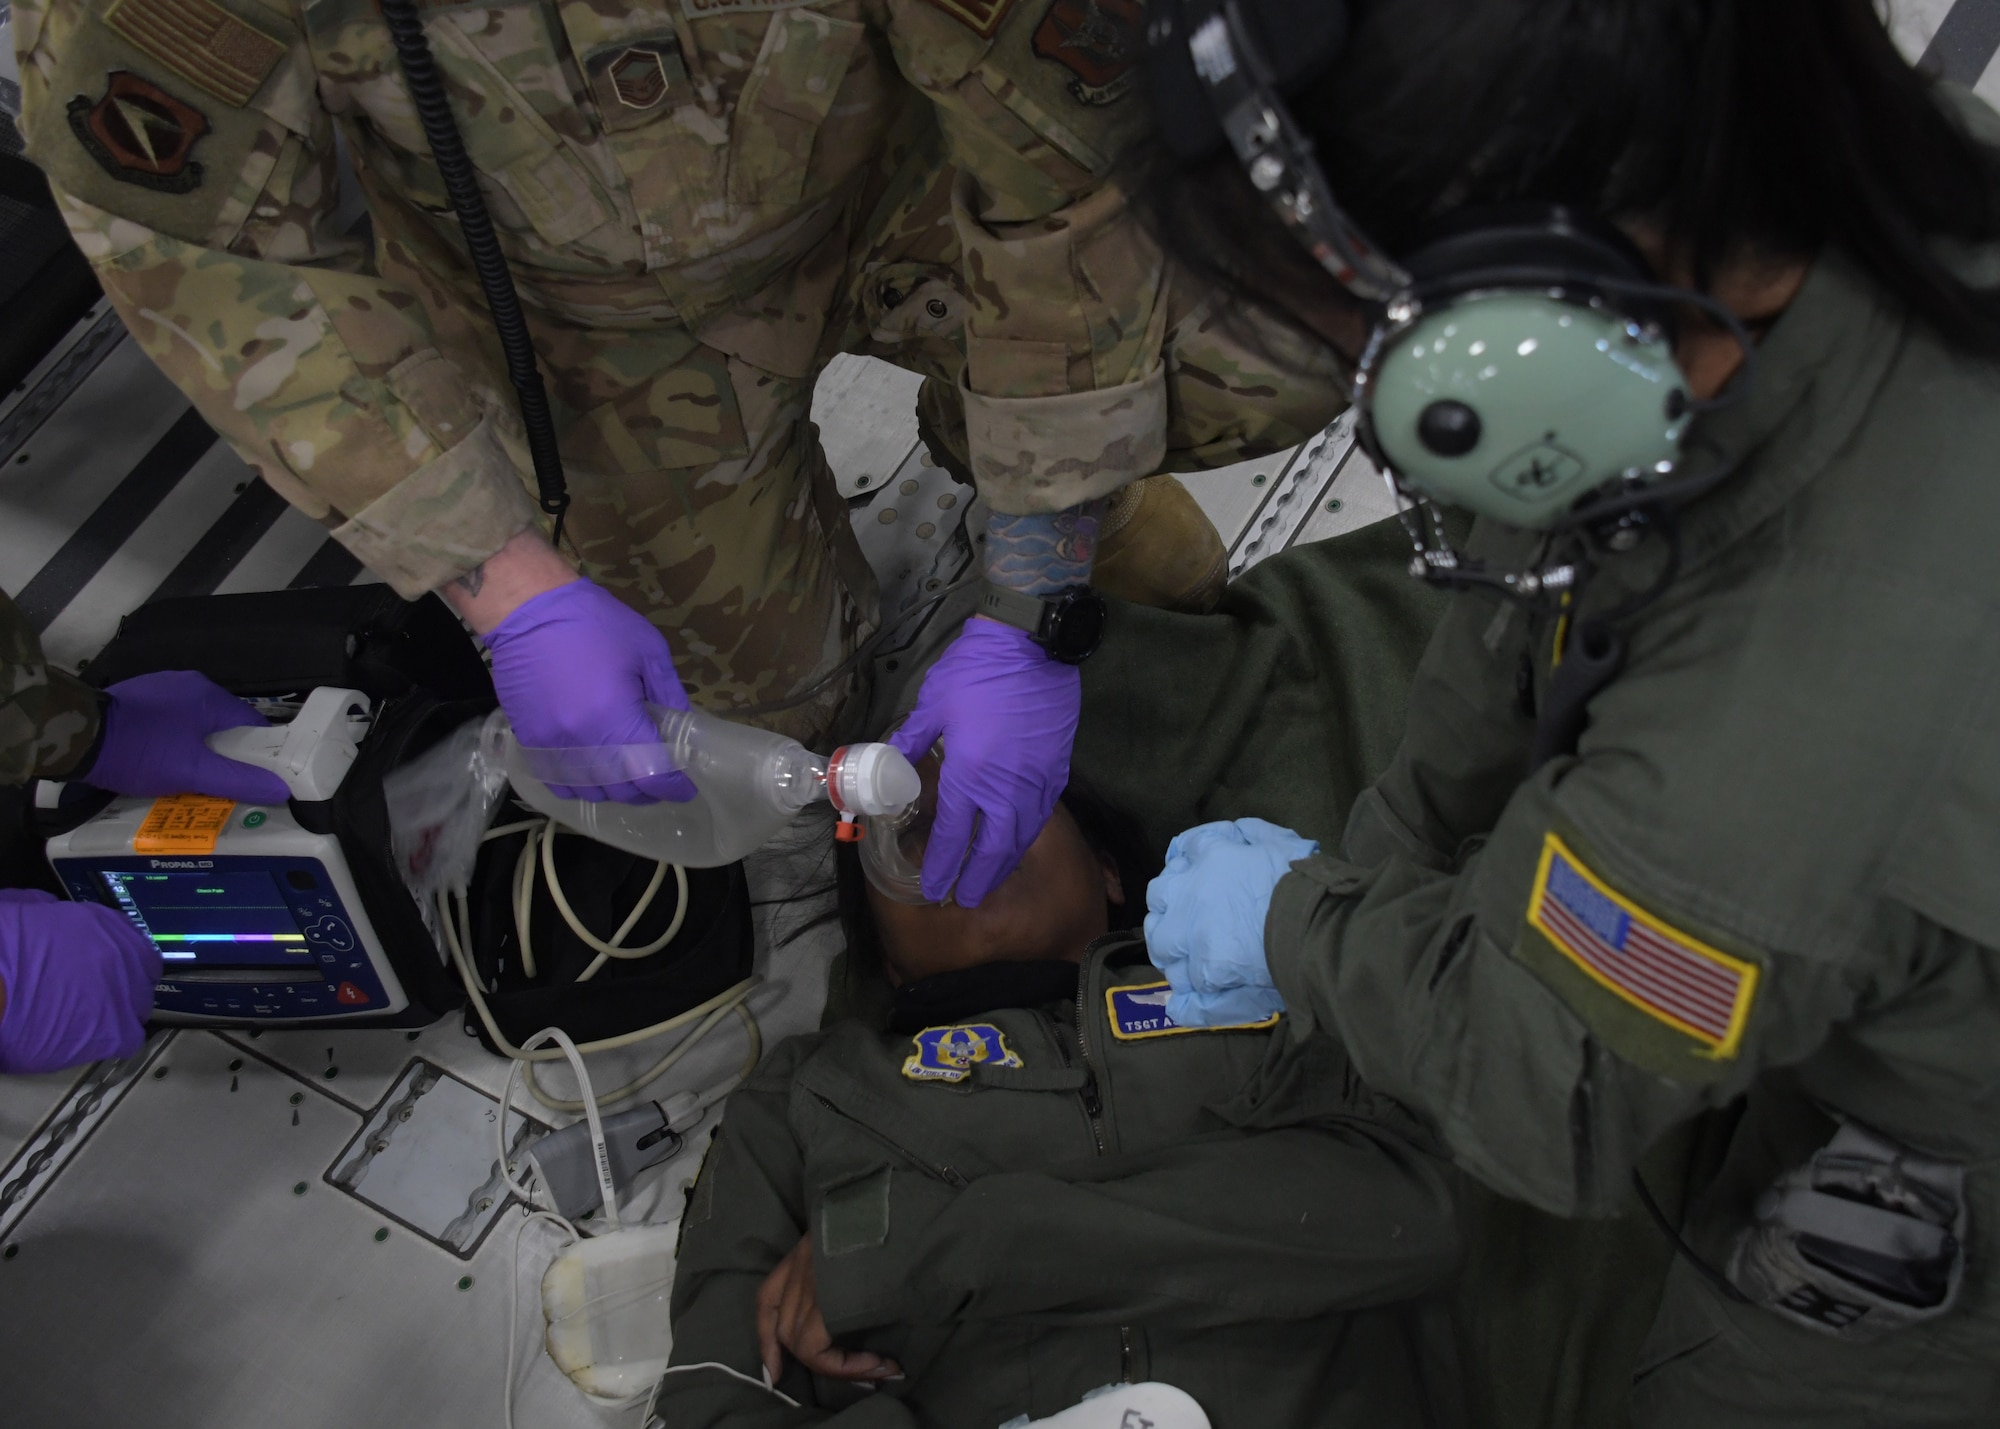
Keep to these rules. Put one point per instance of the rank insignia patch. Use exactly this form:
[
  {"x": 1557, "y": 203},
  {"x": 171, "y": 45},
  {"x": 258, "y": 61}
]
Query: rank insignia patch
[
  {"x": 948, "y": 1054},
  {"x": 202, "y": 43},
  {"x": 1141, "y": 1012},
  {"x": 1665, "y": 973},
  {"x": 1095, "y": 40},
  {"x": 140, "y": 134},
  {"x": 982, "y": 17},
  {"x": 633, "y": 83}
]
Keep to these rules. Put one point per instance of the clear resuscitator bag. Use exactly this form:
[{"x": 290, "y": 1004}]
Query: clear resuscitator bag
[{"x": 749, "y": 784}]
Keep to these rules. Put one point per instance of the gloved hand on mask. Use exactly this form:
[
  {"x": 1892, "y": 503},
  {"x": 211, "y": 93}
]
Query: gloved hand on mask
[
  {"x": 1205, "y": 919},
  {"x": 1007, "y": 714}
]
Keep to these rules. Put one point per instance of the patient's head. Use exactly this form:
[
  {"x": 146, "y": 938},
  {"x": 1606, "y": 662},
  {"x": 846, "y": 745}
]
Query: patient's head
[{"x": 1083, "y": 876}]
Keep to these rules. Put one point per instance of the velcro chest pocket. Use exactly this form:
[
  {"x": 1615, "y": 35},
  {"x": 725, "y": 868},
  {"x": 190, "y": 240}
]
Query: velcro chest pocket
[
  {"x": 498, "y": 63},
  {"x": 786, "y": 100}
]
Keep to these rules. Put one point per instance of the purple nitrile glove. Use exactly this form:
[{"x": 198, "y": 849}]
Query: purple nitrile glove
[
  {"x": 154, "y": 733},
  {"x": 78, "y": 981},
  {"x": 575, "y": 668},
  {"x": 1008, "y": 715}
]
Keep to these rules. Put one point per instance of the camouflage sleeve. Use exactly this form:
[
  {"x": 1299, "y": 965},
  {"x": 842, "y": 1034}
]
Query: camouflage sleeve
[
  {"x": 48, "y": 719},
  {"x": 1063, "y": 388},
  {"x": 195, "y": 166},
  {"x": 1090, "y": 362}
]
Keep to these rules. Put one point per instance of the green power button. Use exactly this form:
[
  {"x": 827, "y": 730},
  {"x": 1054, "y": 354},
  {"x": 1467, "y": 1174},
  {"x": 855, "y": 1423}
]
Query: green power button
[{"x": 255, "y": 817}]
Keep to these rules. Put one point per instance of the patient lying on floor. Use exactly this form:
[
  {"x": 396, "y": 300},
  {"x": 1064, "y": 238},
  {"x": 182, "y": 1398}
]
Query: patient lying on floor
[{"x": 1023, "y": 1182}]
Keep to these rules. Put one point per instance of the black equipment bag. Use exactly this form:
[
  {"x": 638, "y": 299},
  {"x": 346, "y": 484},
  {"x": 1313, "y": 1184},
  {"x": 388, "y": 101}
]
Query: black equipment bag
[
  {"x": 713, "y": 950},
  {"x": 283, "y": 642}
]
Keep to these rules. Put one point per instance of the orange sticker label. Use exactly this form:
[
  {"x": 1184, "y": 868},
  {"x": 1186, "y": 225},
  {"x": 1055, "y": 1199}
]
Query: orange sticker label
[{"x": 182, "y": 823}]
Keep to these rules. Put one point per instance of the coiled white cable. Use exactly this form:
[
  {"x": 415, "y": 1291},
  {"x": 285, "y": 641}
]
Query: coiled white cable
[{"x": 455, "y": 920}]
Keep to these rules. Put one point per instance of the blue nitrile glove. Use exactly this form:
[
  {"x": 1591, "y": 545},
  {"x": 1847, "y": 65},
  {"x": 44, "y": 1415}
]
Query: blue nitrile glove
[
  {"x": 1008, "y": 715},
  {"x": 1205, "y": 919},
  {"x": 575, "y": 668},
  {"x": 155, "y": 729},
  {"x": 78, "y": 981}
]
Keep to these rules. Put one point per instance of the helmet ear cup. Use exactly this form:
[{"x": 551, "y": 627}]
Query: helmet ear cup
[{"x": 1521, "y": 372}]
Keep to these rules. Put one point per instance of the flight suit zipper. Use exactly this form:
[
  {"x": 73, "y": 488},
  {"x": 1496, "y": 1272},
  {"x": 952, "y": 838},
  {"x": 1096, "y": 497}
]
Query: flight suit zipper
[
  {"x": 1093, "y": 1110},
  {"x": 1093, "y": 1105},
  {"x": 952, "y": 1177}
]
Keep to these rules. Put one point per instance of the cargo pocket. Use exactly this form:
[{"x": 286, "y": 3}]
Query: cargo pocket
[
  {"x": 510, "y": 142},
  {"x": 1862, "y": 1240},
  {"x": 855, "y": 1214},
  {"x": 784, "y": 103}
]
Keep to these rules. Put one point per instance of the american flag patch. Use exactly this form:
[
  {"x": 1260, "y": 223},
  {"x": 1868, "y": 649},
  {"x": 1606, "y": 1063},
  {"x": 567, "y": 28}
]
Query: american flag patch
[{"x": 1660, "y": 970}]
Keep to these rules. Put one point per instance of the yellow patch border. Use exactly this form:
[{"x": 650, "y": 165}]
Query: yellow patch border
[
  {"x": 1111, "y": 1016},
  {"x": 918, "y": 1070},
  {"x": 1739, "y": 1016}
]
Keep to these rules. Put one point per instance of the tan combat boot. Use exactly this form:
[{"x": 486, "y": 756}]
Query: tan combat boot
[{"x": 1156, "y": 546}]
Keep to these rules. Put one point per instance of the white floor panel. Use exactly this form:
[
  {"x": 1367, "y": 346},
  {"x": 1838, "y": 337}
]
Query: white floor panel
[
  {"x": 25, "y": 1103},
  {"x": 867, "y": 414},
  {"x": 198, "y": 1270}
]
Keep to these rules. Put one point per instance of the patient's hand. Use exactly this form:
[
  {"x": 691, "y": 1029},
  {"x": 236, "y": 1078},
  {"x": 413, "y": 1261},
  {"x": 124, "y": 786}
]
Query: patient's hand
[{"x": 788, "y": 1318}]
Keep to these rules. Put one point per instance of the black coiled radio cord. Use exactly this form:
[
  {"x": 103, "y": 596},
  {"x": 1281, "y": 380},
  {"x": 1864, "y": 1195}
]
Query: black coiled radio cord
[{"x": 502, "y": 300}]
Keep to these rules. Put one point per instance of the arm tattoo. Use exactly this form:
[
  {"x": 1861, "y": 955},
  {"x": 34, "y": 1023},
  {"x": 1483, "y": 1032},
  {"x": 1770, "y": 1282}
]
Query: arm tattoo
[
  {"x": 473, "y": 581},
  {"x": 1040, "y": 553}
]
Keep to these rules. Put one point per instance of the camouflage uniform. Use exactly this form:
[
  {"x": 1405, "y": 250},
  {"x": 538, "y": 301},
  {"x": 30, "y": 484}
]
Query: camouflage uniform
[
  {"x": 701, "y": 201},
  {"x": 48, "y": 719}
]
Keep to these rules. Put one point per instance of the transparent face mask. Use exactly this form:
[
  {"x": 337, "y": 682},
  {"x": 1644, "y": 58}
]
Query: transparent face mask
[{"x": 892, "y": 845}]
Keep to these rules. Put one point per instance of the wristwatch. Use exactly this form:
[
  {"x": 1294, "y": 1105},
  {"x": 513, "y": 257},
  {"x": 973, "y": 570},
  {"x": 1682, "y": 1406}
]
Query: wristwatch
[{"x": 1067, "y": 624}]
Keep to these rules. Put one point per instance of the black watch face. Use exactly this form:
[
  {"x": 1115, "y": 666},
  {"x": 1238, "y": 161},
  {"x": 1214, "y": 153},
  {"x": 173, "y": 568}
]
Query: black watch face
[{"x": 1075, "y": 626}]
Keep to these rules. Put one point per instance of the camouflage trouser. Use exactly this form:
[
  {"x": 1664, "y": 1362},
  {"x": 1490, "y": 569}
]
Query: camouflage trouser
[{"x": 746, "y": 565}]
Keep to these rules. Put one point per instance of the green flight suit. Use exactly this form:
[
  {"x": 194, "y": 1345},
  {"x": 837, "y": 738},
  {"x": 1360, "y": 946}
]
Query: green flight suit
[
  {"x": 1762, "y": 892},
  {"x": 1227, "y": 1211}
]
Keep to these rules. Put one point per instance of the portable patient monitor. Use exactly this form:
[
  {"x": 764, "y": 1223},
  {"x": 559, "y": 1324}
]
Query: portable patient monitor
[{"x": 254, "y": 911}]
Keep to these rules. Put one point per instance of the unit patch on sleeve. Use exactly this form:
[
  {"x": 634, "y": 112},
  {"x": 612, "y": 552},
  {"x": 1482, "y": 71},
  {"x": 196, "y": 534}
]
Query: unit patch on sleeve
[
  {"x": 947, "y": 1054},
  {"x": 202, "y": 43},
  {"x": 1095, "y": 40},
  {"x": 1670, "y": 976},
  {"x": 140, "y": 134},
  {"x": 1140, "y": 1012},
  {"x": 982, "y": 17}
]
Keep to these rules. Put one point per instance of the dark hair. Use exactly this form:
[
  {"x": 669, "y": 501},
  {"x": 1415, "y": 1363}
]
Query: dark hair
[
  {"x": 1109, "y": 833},
  {"x": 1763, "y": 127}
]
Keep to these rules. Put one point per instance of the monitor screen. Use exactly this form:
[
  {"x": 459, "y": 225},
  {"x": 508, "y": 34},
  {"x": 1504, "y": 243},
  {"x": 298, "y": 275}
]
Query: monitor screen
[{"x": 217, "y": 919}]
